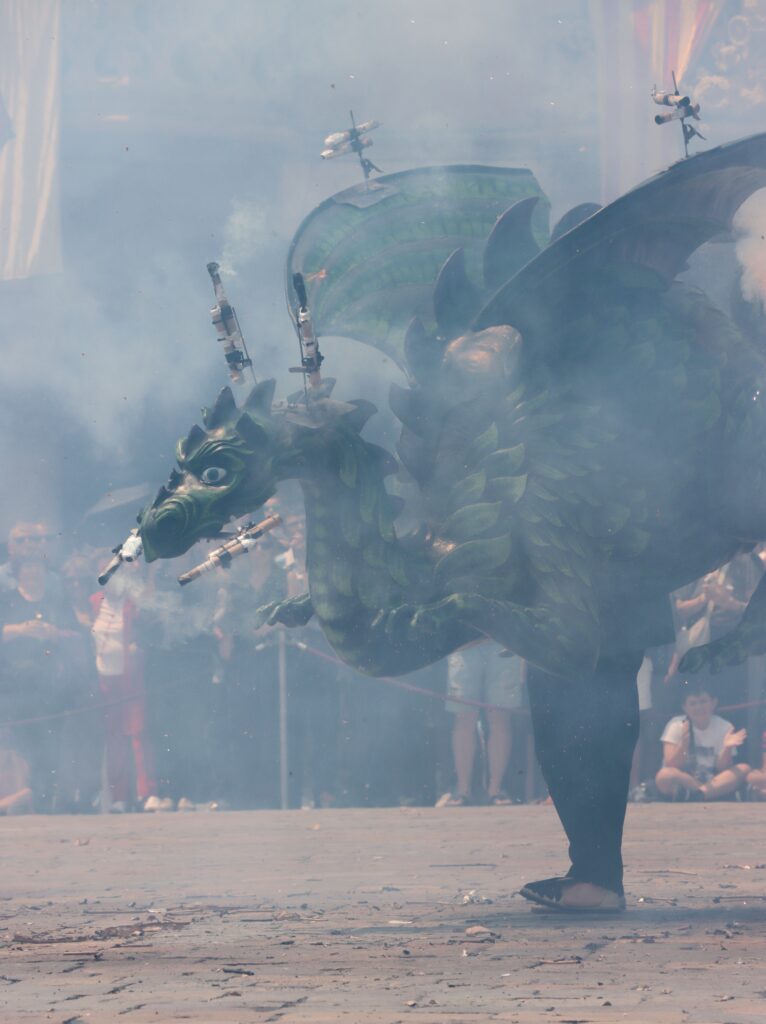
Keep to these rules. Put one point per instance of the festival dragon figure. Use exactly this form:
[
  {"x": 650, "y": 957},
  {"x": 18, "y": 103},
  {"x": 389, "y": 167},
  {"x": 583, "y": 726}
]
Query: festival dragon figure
[{"x": 587, "y": 434}]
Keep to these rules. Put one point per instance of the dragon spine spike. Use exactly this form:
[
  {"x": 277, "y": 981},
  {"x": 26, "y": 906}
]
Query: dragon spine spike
[
  {"x": 253, "y": 435},
  {"x": 359, "y": 415},
  {"x": 511, "y": 242},
  {"x": 455, "y": 298},
  {"x": 407, "y": 406},
  {"x": 422, "y": 352},
  {"x": 261, "y": 397},
  {"x": 192, "y": 441},
  {"x": 416, "y": 457}
]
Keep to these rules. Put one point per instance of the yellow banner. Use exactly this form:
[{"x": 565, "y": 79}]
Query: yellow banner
[{"x": 30, "y": 237}]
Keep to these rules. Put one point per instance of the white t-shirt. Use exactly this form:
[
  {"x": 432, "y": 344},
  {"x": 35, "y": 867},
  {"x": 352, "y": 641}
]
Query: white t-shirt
[
  {"x": 708, "y": 743},
  {"x": 109, "y": 636}
]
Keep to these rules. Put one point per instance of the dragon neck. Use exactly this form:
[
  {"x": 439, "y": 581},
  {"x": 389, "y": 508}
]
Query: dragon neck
[{"x": 357, "y": 567}]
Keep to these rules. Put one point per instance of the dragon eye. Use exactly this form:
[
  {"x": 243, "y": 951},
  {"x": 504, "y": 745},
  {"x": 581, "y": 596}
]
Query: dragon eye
[{"x": 213, "y": 475}]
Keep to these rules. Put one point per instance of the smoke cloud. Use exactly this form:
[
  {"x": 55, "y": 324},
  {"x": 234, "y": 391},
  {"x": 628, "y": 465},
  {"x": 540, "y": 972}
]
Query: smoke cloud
[
  {"x": 751, "y": 248},
  {"x": 191, "y": 131}
]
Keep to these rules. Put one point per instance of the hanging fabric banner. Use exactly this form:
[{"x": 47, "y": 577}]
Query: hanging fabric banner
[{"x": 30, "y": 237}]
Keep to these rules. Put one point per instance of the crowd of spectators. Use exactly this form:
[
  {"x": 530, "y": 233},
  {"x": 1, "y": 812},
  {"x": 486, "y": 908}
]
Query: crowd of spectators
[
  {"x": 146, "y": 696},
  {"x": 143, "y": 695}
]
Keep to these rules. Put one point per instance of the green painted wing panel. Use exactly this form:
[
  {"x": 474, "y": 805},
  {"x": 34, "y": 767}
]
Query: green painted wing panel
[{"x": 370, "y": 255}]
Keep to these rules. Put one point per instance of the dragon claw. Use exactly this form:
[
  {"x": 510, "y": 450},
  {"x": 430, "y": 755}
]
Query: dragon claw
[
  {"x": 296, "y": 611},
  {"x": 269, "y": 615},
  {"x": 400, "y": 619},
  {"x": 426, "y": 620},
  {"x": 431, "y": 618}
]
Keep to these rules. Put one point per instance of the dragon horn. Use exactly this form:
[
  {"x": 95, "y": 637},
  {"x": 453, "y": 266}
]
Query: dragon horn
[
  {"x": 193, "y": 440},
  {"x": 222, "y": 411}
]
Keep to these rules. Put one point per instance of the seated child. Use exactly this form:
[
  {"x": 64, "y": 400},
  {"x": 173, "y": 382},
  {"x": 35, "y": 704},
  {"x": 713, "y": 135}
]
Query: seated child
[
  {"x": 699, "y": 751},
  {"x": 756, "y": 780}
]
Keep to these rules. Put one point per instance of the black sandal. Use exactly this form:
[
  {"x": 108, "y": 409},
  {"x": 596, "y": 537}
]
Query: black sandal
[{"x": 549, "y": 892}]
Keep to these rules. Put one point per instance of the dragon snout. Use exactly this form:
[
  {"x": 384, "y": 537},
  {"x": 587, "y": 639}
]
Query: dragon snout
[{"x": 168, "y": 529}]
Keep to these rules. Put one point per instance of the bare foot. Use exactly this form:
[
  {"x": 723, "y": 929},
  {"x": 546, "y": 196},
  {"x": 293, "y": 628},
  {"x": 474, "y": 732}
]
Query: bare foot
[
  {"x": 566, "y": 894},
  {"x": 587, "y": 896}
]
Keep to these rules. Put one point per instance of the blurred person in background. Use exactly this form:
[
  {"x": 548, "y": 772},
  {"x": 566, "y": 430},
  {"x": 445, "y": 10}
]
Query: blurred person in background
[
  {"x": 44, "y": 672},
  {"x": 78, "y": 573},
  {"x": 479, "y": 674},
  {"x": 128, "y": 755}
]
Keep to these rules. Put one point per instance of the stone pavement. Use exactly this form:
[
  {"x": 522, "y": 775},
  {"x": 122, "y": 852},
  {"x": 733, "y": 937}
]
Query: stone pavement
[{"x": 387, "y": 916}]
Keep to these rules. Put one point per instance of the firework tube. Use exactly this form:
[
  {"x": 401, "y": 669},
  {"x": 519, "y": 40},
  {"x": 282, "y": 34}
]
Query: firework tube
[
  {"x": 227, "y": 325},
  {"x": 130, "y": 550},
  {"x": 240, "y": 544},
  {"x": 311, "y": 357}
]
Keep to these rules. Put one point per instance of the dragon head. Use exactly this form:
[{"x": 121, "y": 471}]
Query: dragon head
[{"x": 224, "y": 471}]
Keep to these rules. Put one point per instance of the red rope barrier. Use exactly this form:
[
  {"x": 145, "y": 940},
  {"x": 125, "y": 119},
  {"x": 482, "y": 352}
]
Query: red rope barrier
[
  {"x": 741, "y": 707},
  {"x": 69, "y": 713},
  {"x": 398, "y": 684},
  {"x": 411, "y": 688}
]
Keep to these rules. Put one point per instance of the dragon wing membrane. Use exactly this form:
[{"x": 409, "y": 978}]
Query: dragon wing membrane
[
  {"x": 657, "y": 225},
  {"x": 371, "y": 255}
]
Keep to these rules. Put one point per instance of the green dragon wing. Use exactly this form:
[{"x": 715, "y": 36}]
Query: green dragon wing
[
  {"x": 371, "y": 256},
  {"x": 656, "y": 227}
]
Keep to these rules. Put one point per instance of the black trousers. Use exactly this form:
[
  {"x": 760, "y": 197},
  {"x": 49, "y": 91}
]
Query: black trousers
[{"x": 586, "y": 728}]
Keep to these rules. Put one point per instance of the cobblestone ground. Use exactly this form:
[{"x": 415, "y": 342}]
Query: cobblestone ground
[{"x": 376, "y": 916}]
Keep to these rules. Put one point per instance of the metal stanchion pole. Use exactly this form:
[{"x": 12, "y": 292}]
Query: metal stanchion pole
[{"x": 284, "y": 761}]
